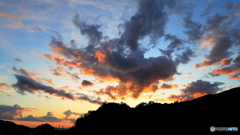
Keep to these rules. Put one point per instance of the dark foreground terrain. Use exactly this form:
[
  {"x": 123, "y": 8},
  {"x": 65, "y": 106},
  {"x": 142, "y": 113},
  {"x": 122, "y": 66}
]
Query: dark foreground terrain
[{"x": 195, "y": 116}]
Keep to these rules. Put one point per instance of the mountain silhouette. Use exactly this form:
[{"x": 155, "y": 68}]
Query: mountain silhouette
[
  {"x": 195, "y": 116},
  {"x": 188, "y": 117},
  {"x": 10, "y": 128}
]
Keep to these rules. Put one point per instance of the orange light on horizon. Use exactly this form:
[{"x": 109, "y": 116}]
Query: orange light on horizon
[{"x": 33, "y": 124}]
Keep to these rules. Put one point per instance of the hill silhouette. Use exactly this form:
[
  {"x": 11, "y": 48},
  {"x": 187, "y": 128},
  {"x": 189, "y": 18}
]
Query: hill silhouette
[
  {"x": 195, "y": 116},
  {"x": 10, "y": 128}
]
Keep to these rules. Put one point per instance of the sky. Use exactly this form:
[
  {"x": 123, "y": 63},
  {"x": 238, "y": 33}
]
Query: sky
[{"x": 60, "y": 59}]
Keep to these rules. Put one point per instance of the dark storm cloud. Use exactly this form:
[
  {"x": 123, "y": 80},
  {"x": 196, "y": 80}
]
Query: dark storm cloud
[
  {"x": 214, "y": 22},
  {"x": 202, "y": 87},
  {"x": 12, "y": 112},
  {"x": 185, "y": 57},
  {"x": 197, "y": 89},
  {"x": 175, "y": 42},
  {"x": 167, "y": 52},
  {"x": 149, "y": 20},
  {"x": 86, "y": 83},
  {"x": 91, "y": 31},
  {"x": 110, "y": 59},
  {"x": 194, "y": 31}
]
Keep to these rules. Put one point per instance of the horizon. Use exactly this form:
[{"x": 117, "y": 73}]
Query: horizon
[{"x": 61, "y": 59}]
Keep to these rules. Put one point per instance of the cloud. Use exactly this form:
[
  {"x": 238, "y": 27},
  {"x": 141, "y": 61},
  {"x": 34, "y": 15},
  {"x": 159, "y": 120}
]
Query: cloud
[
  {"x": 73, "y": 76},
  {"x": 16, "y": 24},
  {"x": 5, "y": 94},
  {"x": 221, "y": 36},
  {"x": 91, "y": 31},
  {"x": 226, "y": 61},
  {"x": 86, "y": 83},
  {"x": 14, "y": 69},
  {"x": 233, "y": 68},
  {"x": 123, "y": 58},
  {"x": 17, "y": 60},
  {"x": 185, "y": 56},
  {"x": 169, "y": 86},
  {"x": 26, "y": 84},
  {"x": 48, "y": 81},
  {"x": 235, "y": 76},
  {"x": 110, "y": 58},
  {"x": 36, "y": 29},
  {"x": 149, "y": 20},
  {"x": 9, "y": 16},
  {"x": 61, "y": 72},
  {"x": 3, "y": 85},
  {"x": 194, "y": 31},
  {"x": 59, "y": 69},
  {"x": 48, "y": 118},
  {"x": 197, "y": 89},
  {"x": 13, "y": 112},
  {"x": 68, "y": 113}
]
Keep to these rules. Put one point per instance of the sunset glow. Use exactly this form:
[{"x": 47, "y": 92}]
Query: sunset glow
[{"x": 61, "y": 59}]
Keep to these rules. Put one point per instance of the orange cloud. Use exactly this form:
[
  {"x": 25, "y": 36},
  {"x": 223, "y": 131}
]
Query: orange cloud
[
  {"x": 9, "y": 16},
  {"x": 65, "y": 87},
  {"x": 226, "y": 61},
  {"x": 234, "y": 68},
  {"x": 58, "y": 74},
  {"x": 174, "y": 98},
  {"x": 107, "y": 79},
  {"x": 61, "y": 61},
  {"x": 235, "y": 76},
  {"x": 197, "y": 94},
  {"x": 205, "y": 63},
  {"x": 59, "y": 69},
  {"x": 49, "y": 81},
  {"x": 225, "y": 71},
  {"x": 3, "y": 85},
  {"x": 100, "y": 56}
]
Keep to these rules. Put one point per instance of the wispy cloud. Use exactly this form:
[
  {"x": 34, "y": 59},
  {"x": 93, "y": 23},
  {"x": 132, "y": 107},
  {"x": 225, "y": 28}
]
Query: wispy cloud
[
  {"x": 26, "y": 84},
  {"x": 17, "y": 59},
  {"x": 9, "y": 16}
]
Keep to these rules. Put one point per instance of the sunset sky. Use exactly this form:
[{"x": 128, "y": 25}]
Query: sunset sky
[{"x": 61, "y": 58}]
